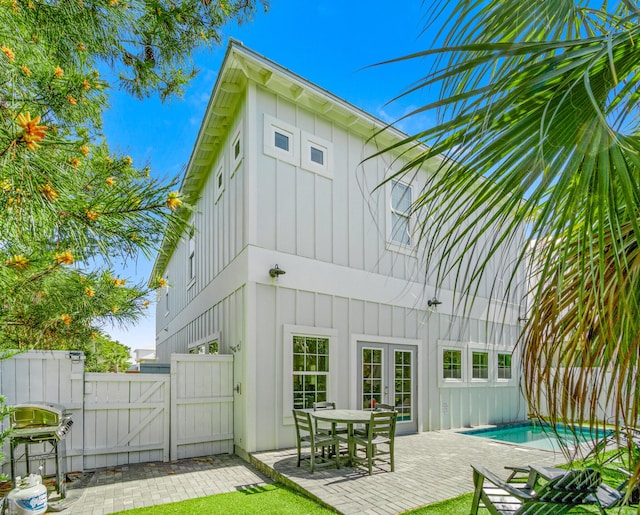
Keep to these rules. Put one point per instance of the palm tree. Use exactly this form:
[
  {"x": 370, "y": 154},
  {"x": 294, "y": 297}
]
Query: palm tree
[{"x": 540, "y": 99}]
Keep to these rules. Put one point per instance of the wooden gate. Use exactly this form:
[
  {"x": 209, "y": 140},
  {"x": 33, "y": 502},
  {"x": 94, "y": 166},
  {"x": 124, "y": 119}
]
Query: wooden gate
[
  {"x": 126, "y": 419},
  {"x": 201, "y": 405},
  {"x": 129, "y": 418}
]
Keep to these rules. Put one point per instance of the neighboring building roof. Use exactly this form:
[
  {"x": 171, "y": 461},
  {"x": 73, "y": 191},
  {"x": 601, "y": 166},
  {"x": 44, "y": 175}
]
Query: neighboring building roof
[{"x": 239, "y": 64}]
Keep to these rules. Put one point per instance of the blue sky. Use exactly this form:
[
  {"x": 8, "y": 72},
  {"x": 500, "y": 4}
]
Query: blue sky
[{"x": 331, "y": 43}]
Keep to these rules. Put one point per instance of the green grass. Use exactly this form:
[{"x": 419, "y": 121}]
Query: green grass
[{"x": 272, "y": 499}]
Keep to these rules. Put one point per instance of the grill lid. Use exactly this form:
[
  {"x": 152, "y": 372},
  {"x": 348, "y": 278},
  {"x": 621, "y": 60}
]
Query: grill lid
[{"x": 38, "y": 414}]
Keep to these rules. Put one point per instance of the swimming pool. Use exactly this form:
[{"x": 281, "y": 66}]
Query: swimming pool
[{"x": 540, "y": 436}]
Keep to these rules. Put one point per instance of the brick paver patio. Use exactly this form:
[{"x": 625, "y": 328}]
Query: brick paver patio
[{"x": 429, "y": 467}]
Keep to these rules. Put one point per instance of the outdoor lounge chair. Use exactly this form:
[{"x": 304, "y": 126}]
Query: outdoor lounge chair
[
  {"x": 558, "y": 495},
  {"x": 380, "y": 430},
  {"x": 306, "y": 433},
  {"x": 606, "y": 496}
]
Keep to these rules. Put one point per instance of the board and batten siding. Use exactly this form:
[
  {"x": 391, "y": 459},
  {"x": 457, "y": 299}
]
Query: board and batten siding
[
  {"x": 218, "y": 229},
  {"x": 468, "y": 404},
  {"x": 340, "y": 219}
]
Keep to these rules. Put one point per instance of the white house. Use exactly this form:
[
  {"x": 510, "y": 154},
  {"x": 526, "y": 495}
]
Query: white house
[{"x": 312, "y": 279}]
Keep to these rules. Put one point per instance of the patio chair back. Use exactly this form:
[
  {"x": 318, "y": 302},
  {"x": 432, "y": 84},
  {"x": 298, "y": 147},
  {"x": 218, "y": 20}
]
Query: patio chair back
[
  {"x": 315, "y": 440},
  {"x": 319, "y": 406},
  {"x": 575, "y": 487},
  {"x": 384, "y": 407}
]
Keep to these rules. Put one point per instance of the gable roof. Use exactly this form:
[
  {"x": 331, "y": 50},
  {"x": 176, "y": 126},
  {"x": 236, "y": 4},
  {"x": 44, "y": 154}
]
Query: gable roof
[{"x": 240, "y": 65}]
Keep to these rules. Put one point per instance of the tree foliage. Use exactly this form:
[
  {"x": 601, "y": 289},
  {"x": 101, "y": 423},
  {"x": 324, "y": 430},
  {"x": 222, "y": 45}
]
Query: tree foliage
[
  {"x": 106, "y": 355},
  {"x": 70, "y": 207},
  {"x": 538, "y": 120}
]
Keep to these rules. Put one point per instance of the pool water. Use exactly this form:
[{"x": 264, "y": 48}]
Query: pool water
[{"x": 540, "y": 436}]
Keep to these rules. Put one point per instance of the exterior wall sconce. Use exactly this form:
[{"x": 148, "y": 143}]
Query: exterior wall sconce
[
  {"x": 276, "y": 271},
  {"x": 433, "y": 302}
]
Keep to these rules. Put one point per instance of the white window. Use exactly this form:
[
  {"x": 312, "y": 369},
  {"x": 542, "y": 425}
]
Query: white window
[
  {"x": 452, "y": 364},
  {"x": 281, "y": 140},
  {"x": 219, "y": 182},
  {"x": 316, "y": 155},
  {"x": 166, "y": 297},
  {"x": 504, "y": 367},
  {"x": 480, "y": 365},
  {"x": 192, "y": 258},
  {"x": 401, "y": 201},
  {"x": 210, "y": 345},
  {"x": 308, "y": 360},
  {"x": 236, "y": 151},
  {"x": 310, "y": 370}
]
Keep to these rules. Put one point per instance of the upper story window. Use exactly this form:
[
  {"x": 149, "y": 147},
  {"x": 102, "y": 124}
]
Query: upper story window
[
  {"x": 281, "y": 140},
  {"x": 192, "y": 258},
  {"x": 236, "y": 151},
  {"x": 219, "y": 182},
  {"x": 316, "y": 154},
  {"x": 401, "y": 200}
]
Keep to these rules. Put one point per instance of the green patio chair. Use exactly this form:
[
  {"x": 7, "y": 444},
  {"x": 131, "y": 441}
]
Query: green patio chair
[
  {"x": 558, "y": 495},
  {"x": 325, "y": 427},
  {"x": 306, "y": 433},
  {"x": 380, "y": 431}
]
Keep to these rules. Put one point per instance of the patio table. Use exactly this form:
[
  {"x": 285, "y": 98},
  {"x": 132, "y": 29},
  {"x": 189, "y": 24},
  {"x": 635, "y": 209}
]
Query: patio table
[{"x": 349, "y": 417}]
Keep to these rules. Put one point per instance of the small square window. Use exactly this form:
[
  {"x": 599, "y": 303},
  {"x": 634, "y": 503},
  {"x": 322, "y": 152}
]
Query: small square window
[
  {"x": 236, "y": 150},
  {"x": 281, "y": 141},
  {"x": 220, "y": 180},
  {"x": 317, "y": 156}
]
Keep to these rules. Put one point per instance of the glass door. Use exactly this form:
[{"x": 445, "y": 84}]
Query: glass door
[{"x": 387, "y": 376}]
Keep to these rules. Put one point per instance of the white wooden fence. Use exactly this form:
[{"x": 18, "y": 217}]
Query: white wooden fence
[{"x": 129, "y": 418}]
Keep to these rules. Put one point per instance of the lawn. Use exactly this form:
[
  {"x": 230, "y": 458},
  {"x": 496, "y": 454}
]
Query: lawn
[{"x": 269, "y": 499}]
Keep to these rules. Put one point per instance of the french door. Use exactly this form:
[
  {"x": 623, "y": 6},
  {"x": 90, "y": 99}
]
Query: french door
[{"x": 387, "y": 375}]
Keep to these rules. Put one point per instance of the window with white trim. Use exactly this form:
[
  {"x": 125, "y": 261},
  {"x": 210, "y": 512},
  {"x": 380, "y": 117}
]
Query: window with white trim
[
  {"x": 281, "y": 140},
  {"x": 479, "y": 365},
  {"x": 166, "y": 296},
  {"x": 219, "y": 182},
  {"x": 191, "y": 260},
  {"x": 236, "y": 151},
  {"x": 316, "y": 155},
  {"x": 452, "y": 364},
  {"x": 504, "y": 366},
  {"x": 211, "y": 346},
  {"x": 310, "y": 372},
  {"x": 401, "y": 200}
]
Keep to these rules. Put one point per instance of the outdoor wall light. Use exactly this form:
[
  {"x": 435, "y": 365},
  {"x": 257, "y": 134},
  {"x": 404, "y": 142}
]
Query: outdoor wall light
[
  {"x": 433, "y": 302},
  {"x": 276, "y": 271}
]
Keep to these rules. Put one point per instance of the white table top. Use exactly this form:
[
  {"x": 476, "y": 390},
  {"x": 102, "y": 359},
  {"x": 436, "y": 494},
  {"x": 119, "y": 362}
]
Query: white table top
[{"x": 345, "y": 416}]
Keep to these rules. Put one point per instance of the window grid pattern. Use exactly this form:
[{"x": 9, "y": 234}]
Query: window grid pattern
[
  {"x": 480, "y": 365},
  {"x": 452, "y": 364},
  {"x": 371, "y": 377},
  {"x": 402, "y": 385},
  {"x": 310, "y": 370},
  {"x": 400, "y": 213},
  {"x": 504, "y": 366}
]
